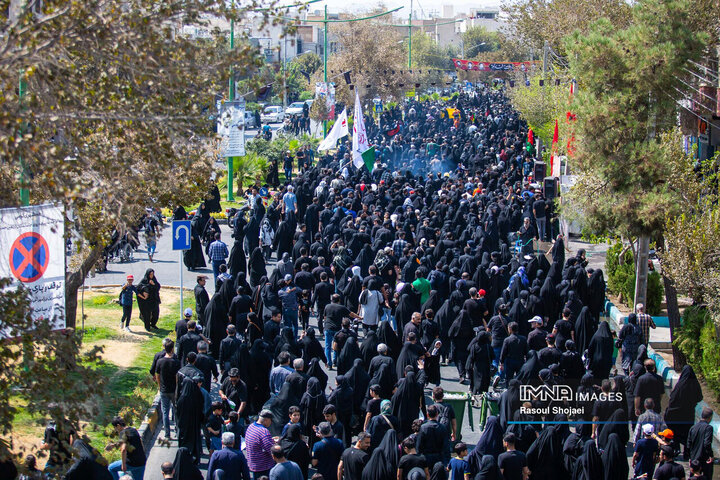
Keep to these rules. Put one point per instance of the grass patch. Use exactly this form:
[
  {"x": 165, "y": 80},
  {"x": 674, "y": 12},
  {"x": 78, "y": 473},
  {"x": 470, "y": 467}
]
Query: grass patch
[{"x": 130, "y": 389}]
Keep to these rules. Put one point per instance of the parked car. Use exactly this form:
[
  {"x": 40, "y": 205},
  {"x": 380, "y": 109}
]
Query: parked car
[
  {"x": 272, "y": 114},
  {"x": 294, "y": 108}
]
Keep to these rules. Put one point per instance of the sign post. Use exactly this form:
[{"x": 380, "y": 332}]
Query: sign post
[
  {"x": 181, "y": 241},
  {"x": 32, "y": 249}
]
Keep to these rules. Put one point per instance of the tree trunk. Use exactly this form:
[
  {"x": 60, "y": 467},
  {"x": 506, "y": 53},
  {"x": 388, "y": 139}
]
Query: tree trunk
[
  {"x": 673, "y": 310},
  {"x": 73, "y": 281}
]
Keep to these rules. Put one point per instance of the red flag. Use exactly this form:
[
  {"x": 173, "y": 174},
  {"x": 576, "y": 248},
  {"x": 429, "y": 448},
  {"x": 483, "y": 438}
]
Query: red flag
[
  {"x": 531, "y": 137},
  {"x": 553, "y": 150}
]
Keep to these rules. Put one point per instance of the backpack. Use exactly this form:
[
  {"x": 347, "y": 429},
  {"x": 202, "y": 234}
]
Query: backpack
[
  {"x": 342, "y": 259},
  {"x": 381, "y": 260},
  {"x": 443, "y": 417},
  {"x": 148, "y": 226}
]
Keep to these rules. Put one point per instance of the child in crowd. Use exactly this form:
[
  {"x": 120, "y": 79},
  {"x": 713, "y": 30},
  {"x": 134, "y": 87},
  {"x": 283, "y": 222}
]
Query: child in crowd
[
  {"x": 458, "y": 466},
  {"x": 214, "y": 427}
]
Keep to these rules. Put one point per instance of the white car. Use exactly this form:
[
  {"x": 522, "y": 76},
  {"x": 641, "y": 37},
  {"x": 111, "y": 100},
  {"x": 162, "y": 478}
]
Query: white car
[
  {"x": 295, "y": 108},
  {"x": 272, "y": 114}
]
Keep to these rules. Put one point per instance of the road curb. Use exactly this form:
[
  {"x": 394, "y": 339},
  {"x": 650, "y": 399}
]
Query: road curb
[
  {"x": 150, "y": 424},
  {"x": 668, "y": 374}
]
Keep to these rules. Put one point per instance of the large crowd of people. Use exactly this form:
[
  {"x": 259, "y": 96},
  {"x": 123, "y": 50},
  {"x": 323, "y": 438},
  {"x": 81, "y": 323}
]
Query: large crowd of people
[{"x": 434, "y": 257}]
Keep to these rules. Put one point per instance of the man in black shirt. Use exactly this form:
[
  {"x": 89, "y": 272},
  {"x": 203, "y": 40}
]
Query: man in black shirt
[
  {"x": 341, "y": 337},
  {"x": 411, "y": 460},
  {"x": 475, "y": 307},
  {"x": 330, "y": 414},
  {"x": 188, "y": 342},
  {"x": 431, "y": 438},
  {"x": 132, "y": 451},
  {"x": 649, "y": 385},
  {"x": 353, "y": 459},
  {"x": 700, "y": 438},
  {"x": 165, "y": 375},
  {"x": 668, "y": 469},
  {"x": 228, "y": 348},
  {"x": 271, "y": 328},
  {"x": 513, "y": 352},
  {"x": 201, "y": 298},
  {"x": 321, "y": 298},
  {"x": 380, "y": 359},
  {"x": 550, "y": 354},
  {"x": 187, "y": 371},
  {"x": 334, "y": 314},
  {"x": 498, "y": 329},
  {"x": 372, "y": 281},
  {"x": 206, "y": 364},
  {"x": 304, "y": 279},
  {"x": 512, "y": 463},
  {"x": 181, "y": 325},
  {"x": 537, "y": 337},
  {"x": 539, "y": 209},
  {"x": 233, "y": 393},
  {"x": 158, "y": 356}
]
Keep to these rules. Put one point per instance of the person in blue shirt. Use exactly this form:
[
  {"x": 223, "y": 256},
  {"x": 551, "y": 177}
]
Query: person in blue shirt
[
  {"x": 327, "y": 452},
  {"x": 294, "y": 414},
  {"x": 458, "y": 467},
  {"x": 284, "y": 469},
  {"x": 229, "y": 460},
  {"x": 126, "y": 301}
]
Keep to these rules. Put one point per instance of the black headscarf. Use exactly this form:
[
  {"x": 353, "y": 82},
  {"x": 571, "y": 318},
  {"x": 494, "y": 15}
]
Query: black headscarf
[
  {"x": 342, "y": 398},
  {"x": 216, "y": 321},
  {"x": 489, "y": 469},
  {"x": 316, "y": 371},
  {"x": 184, "y": 467},
  {"x": 368, "y": 347},
  {"x": 359, "y": 380},
  {"x": 617, "y": 424},
  {"x": 189, "y": 410},
  {"x": 296, "y": 450},
  {"x": 544, "y": 456},
  {"x": 409, "y": 355},
  {"x": 279, "y": 406},
  {"x": 490, "y": 443},
  {"x": 589, "y": 465},
  {"x": 257, "y": 267},
  {"x": 680, "y": 412},
  {"x": 614, "y": 459},
  {"x": 528, "y": 373},
  {"x": 600, "y": 352},
  {"x": 312, "y": 404},
  {"x": 509, "y": 403},
  {"x": 258, "y": 384},
  {"x": 311, "y": 347},
  {"x": 349, "y": 353},
  {"x": 585, "y": 328},
  {"x": 406, "y": 402},
  {"x": 384, "y": 378},
  {"x": 383, "y": 462},
  {"x": 387, "y": 335}
]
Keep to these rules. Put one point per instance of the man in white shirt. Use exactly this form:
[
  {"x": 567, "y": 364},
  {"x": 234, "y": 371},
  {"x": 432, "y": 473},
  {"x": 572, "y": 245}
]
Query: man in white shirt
[{"x": 369, "y": 309}]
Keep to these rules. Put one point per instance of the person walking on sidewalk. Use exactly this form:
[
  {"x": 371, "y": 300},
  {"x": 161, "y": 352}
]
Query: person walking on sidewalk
[
  {"x": 166, "y": 374},
  {"x": 217, "y": 252},
  {"x": 126, "y": 302}
]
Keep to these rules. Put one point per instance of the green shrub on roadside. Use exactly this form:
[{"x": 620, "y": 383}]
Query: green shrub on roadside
[
  {"x": 621, "y": 280},
  {"x": 697, "y": 340}
]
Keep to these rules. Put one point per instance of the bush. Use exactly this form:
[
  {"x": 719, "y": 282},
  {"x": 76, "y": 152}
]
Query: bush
[
  {"x": 621, "y": 280},
  {"x": 697, "y": 339}
]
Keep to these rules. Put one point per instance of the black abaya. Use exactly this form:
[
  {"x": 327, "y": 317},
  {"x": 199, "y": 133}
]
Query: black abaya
[
  {"x": 189, "y": 421},
  {"x": 406, "y": 401},
  {"x": 600, "y": 352},
  {"x": 387, "y": 335},
  {"x": 614, "y": 459},
  {"x": 478, "y": 363},
  {"x": 680, "y": 412},
  {"x": 216, "y": 318},
  {"x": 383, "y": 462},
  {"x": 257, "y": 267},
  {"x": 184, "y": 467},
  {"x": 349, "y": 353},
  {"x": 311, "y": 405}
]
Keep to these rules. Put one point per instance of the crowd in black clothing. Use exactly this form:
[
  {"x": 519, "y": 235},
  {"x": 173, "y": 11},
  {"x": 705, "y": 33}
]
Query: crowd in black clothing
[{"x": 406, "y": 267}]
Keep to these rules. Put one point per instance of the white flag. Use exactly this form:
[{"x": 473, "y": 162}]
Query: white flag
[
  {"x": 339, "y": 130},
  {"x": 360, "y": 140}
]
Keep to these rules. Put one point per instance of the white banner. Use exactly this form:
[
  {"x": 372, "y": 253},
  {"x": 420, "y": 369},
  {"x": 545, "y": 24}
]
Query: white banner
[
  {"x": 33, "y": 254},
  {"x": 339, "y": 130},
  {"x": 360, "y": 140}
]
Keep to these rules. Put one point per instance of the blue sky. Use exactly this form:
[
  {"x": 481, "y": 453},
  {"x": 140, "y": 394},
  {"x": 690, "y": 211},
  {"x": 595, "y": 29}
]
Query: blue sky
[{"x": 426, "y": 5}]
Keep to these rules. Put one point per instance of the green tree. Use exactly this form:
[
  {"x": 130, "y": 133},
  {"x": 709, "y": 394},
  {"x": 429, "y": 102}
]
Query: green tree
[
  {"x": 115, "y": 119},
  {"x": 534, "y": 22},
  {"x": 478, "y": 40},
  {"x": 623, "y": 108},
  {"x": 540, "y": 106}
]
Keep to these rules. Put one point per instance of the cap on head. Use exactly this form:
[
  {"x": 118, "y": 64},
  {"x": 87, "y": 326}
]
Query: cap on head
[
  {"x": 234, "y": 372},
  {"x": 188, "y": 312},
  {"x": 648, "y": 429},
  {"x": 130, "y": 277},
  {"x": 288, "y": 278}
]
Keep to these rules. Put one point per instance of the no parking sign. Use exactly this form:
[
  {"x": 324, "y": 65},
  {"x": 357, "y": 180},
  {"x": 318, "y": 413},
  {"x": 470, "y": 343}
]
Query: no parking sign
[{"x": 32, "y": 254}]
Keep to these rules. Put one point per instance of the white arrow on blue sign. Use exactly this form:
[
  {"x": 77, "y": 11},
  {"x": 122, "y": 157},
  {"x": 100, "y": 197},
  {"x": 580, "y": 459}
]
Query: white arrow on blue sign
[{"x": 181, "y": 235}]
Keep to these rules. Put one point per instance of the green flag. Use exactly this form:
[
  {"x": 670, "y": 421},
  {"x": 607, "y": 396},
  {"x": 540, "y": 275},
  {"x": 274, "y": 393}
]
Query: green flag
[{"x": 368, "y": 157}]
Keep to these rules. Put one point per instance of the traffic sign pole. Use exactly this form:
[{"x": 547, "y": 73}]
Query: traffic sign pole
[{"x": 181, "y": 241}]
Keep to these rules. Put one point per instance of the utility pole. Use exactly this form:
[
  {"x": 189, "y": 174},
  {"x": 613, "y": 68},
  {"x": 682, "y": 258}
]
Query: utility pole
[
  {"x": 231, "y": 96},
  {"x": 325, "y": 21},
  {"x": 410, "y": 26},
  {"x": 284, "y": 73},
  {"x": 641, "y": 270},
  {"x": 24, "y": 192}
]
